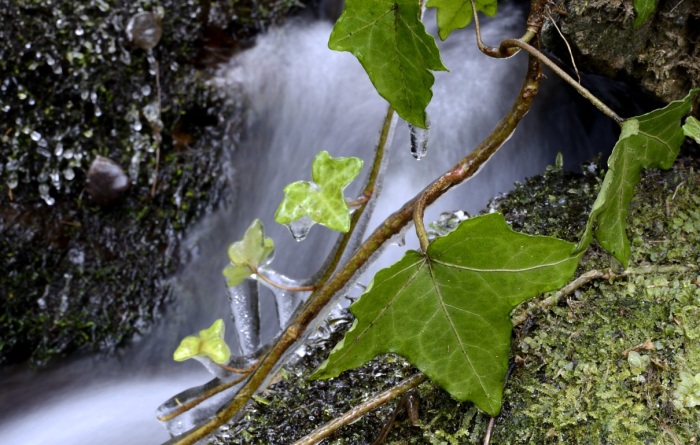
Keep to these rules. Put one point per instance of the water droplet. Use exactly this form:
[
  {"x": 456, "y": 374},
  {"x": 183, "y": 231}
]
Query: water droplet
[
  {"x": 44, "y": 193},
  {"x": 146, "y": 90},
  {"x": 55, "y": 178},
  {"x": 136, "y": 125},
  {"x": 144, "y": 30},
  {"x": 12, "y": 180},
  {"x": 419, "y": 139},
  {"x": 69, "y": 174},
  {"x": 35, "y": 136},
  {"x": 300, "y": 228},
  {"x": 79, "y": 31},
  {"x": 150, "y": 112}
]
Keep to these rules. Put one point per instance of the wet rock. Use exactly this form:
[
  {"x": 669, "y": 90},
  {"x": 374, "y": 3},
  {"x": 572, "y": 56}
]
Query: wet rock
[
  {"x": 106, "y": 181},
  {"x": 77, "y": 276}
]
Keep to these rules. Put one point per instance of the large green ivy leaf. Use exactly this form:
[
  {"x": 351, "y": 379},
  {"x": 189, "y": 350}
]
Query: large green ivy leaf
[
  {"x": 644, "y": 9},
  {"x": 457, "y": 14},
  {"x": 390, "y": 41},
  {"x": 209, "y": 343},
  {"x": 447, "y": 311},
  {"x": 648, "y": 141},
  {"x": 692, "y": 128},
  {"x": 322, "y": 200},
  {"x": 247, "y": 254}
]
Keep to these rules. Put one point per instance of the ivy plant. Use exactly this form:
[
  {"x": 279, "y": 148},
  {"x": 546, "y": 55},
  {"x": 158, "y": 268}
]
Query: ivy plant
[{"x": 452, "y": 298}]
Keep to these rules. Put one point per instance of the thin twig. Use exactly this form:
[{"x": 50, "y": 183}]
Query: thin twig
[
  {"x": 360, "y": 410},
  {"x": 570, "y": 80},
  {"x": 502, "y": 52},
  {"x": 489, "y": 431},
  {"x": 280, "y": 285},
  {"x": 599, "y": 274},
  {"x": 566, "y": 42},
  {"x": 183, "y": 408},
  {"x": 245, "y": 371}
]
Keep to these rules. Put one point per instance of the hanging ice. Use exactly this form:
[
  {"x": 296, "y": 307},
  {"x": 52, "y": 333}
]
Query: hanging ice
[
  {"x": 243, "y": 300},
  {"x": 419, "y": 139},
  {"x": 300, "y": 228},
  {"x": 287, "y": 301}
]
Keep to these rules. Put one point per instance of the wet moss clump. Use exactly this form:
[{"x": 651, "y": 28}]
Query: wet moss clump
[
  {"x": 613, "y": 362},
  {"x": 77, "y": 274}
]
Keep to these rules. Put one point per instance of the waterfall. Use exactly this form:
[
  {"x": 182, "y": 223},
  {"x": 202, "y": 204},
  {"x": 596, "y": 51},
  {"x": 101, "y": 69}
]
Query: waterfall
[{"x": 301, "y": 98}]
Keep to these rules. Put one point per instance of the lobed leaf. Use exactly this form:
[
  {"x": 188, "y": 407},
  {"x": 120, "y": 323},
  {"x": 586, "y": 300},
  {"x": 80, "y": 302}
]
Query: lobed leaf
[
  {"x": 391, "y": 43},
  {"x": 322, "y": 199},
  {"x": 652, "y": 140},
  {"x": 247, "y": 254},
  {"x": 644, "y": 9},
  {"x": 447, "y": 312},
  {"x": 692, "y": 128},
  {"x": 210, "y": 343},
  {"x": 457, "y": 14}
]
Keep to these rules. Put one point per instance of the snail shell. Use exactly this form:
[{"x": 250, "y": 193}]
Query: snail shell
[{"x": 106, "y": 181}]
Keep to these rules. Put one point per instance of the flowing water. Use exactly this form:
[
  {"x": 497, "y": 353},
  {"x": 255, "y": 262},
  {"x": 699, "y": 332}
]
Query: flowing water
[{"x": 302, "y": 98}]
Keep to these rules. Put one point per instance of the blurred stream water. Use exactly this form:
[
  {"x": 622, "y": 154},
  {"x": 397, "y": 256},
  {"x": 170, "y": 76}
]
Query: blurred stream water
[{"x": 302, "y": 98}]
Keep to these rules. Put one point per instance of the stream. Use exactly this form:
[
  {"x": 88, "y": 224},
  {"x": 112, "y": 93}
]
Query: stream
[{"x": 302, "y": 98}]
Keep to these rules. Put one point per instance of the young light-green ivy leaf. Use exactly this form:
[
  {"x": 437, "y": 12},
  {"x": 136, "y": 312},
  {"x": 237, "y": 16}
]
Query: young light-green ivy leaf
[
  {"x": 692, "y": 128},
  {"x": 210, "y": 343},
  {"x": 457, "y": 14},
  {"x": 247, "y": 254},
  {"x": 447, "y": 312},
  {"x": 322, "y": 200},
  {"x": 391, "y": 43},
  {"x": 644, "y": 9},
  {"x": 651, "y": 140}
]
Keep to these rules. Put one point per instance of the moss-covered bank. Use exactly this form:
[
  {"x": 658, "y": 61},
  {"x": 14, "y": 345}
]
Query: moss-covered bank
[
  {"x": 73, "y": 86},
  {"x": 613, "y": 363}
]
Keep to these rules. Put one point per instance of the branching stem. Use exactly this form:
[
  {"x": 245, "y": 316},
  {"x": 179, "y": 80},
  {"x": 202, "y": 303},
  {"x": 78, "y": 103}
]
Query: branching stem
[
  {"x": 600, "y": 274},
  {"x": 392, "y": 225},
  {"x": 509, "y": 47},
  {"x": 570, "y": 80}
]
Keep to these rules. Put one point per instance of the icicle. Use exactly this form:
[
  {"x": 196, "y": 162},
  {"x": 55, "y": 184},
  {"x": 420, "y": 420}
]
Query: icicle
[
  {"x": 197, "y": 414},
  {"x": 243, "y": 300},
  {"x": 419, "y": 139},
  {"x": 300, "y": 228},
  {"x": 287, "y": 301}
]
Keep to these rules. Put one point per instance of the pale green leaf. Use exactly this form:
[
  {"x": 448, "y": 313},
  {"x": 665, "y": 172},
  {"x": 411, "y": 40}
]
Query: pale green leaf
[
  {"x": 210, "y": 343},
  {"x": 648, "y": 141},
  {"x": 457, "y": 14},
  {"x": 247, "y": 254},
  {"x": 447, "y": 311},
  {"x": 391, "y": 43},
  {"x": 322, "y": 200},
  {"x": 644, "y": 9},
  {"x": 692, "y": 128}
]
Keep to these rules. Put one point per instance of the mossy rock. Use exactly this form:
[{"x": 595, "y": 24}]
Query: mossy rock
[
  {"x": 78, "y": 276},
  {"x": 613, "y": 362},
  {"x": 660, "y": 55}
]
